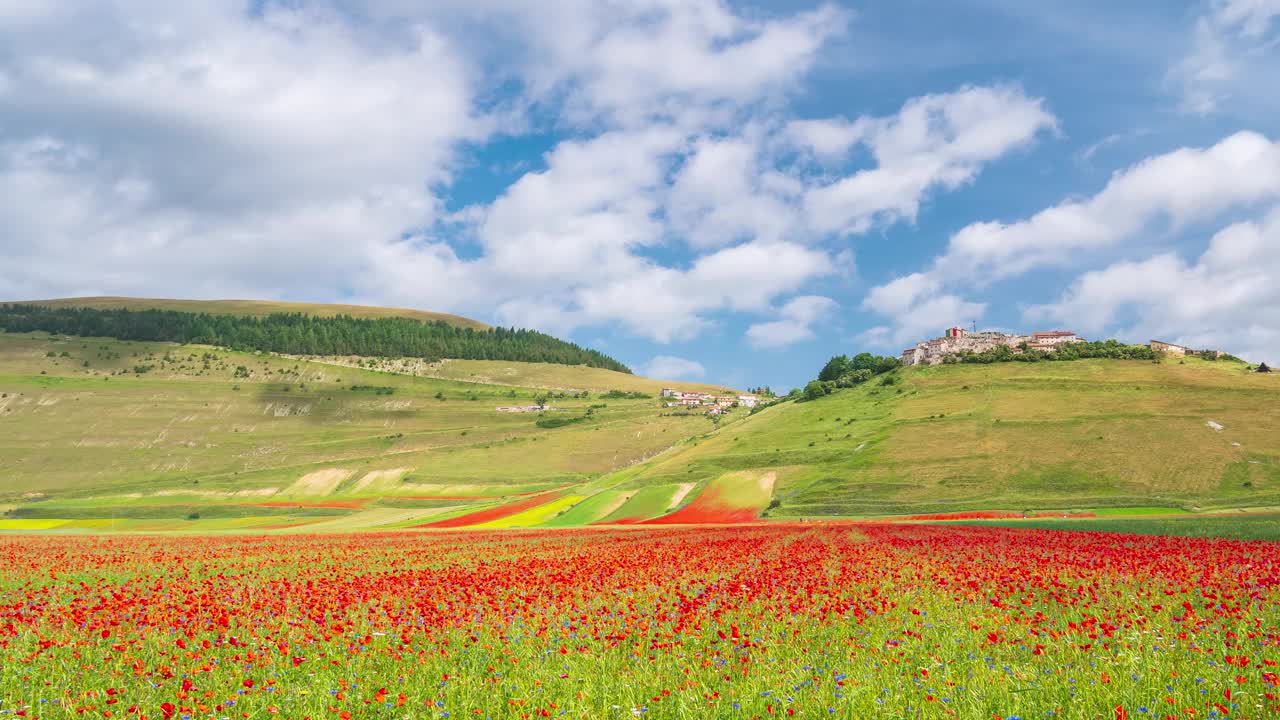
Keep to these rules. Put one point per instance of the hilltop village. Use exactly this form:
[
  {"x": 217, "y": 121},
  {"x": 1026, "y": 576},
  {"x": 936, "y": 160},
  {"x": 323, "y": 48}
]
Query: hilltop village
[{"x": 958, "y": 340}]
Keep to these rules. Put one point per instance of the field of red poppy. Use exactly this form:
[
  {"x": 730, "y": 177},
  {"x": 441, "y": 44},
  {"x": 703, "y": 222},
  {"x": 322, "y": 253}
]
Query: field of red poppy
[{"x": 809, "y": 620}]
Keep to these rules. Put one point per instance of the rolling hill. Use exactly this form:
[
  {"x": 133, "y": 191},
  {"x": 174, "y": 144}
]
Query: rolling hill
[
  {"x": 1084, "y": 435},
  {"x": 104, "y": 434}
]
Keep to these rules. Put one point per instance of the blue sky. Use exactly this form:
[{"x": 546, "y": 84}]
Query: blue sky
[{"x": 719, "y": 191}]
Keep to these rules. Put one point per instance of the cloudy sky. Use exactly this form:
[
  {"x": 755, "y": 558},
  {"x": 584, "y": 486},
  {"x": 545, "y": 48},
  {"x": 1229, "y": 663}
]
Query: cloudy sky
[{"x": 704, "y": 189}]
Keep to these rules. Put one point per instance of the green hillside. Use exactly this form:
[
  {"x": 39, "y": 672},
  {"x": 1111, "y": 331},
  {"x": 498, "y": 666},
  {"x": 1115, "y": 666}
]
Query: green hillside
[
  {"x": 99, "y": 434},
  {"x": 1014, "y": 436},
  {"x": 143, "y": 432}
]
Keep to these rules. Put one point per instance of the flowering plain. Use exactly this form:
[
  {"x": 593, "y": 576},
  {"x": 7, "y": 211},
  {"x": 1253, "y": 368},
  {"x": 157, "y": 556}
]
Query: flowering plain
[{"x": 808, "y": 620}]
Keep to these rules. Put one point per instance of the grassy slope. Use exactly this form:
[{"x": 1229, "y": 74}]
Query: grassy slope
[
  {"x": 190, "y": 433},
  {"x": 256, "y": 308},
  {"x": 548, "y": 376},
  {"x": 1081, "y": 435},
  {"x": 190, "y": 436}
]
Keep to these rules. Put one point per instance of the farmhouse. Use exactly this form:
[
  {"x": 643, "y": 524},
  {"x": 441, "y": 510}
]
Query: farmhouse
[
  {"x": 957, "y": 339},
  {"x": 523, "y": 408},
  {"x": 1169, "y": 349},
  {"x": 677, "y": 398}
]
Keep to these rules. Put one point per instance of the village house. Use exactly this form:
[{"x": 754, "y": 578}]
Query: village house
[
  {"x": 1169, "y": 349},
  {"x": 523, "y": 408},
  {"x": 696, "y": 399},
  {"x": 1053, "y": 338},
  {"x": 957, "y": 339}
]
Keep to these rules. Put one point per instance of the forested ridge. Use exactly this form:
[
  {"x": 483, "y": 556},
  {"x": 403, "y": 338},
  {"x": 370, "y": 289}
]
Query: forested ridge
[{"x": 300, "y": 334}]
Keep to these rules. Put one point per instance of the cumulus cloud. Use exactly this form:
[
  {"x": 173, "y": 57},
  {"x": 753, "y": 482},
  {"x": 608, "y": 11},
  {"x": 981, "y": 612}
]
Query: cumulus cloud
[
  {"x": 924, "y": 318},
  {"x": 669, "y": 367},
  {"x": 1180, "y": 187},
  {"x": 1226, "y": 299},
  {"x": 795, "y": 323},
  {"x": 191, "y": 149},
  {"x": 935, "y": 141},
  {"x": 1177, "y": 189},
  {"x": 687, "y": 62},
  {"x": 306, "y": 150}
]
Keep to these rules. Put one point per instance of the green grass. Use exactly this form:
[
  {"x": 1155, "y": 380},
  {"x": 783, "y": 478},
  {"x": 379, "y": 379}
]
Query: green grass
[
  {"x": 1240, "y": 527},
  {"x": 1092, "y": 434},
  {"x": 649, "y": 502},
  {"x": 201, "y": 426},
  {"x": 548, "y": 376},
  {"x": 590, "y": 510},
  {"x": 207, "y": 427}
]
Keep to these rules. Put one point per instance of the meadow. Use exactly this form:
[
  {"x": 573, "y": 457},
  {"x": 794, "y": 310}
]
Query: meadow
[
  {"x": 749, "y": 621},
  {"x": 1081, "y": 436},
  {"x": 99, "y": 434}
]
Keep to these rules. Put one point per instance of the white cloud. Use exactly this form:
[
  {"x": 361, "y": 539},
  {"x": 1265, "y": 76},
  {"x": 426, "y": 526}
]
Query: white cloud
[
  {"x": 1178, "y": 188},
  {"x": 795, "y": 323},
  {"x": 193, "y": 150},
  {"x": 1226, "y": 300},
  {"x": 1183, "y": 186},
  {"x": 722, "y": 195},
  {"x": 1234, "y": 54},
  {"x": 935, "y": 141},
  {"x": 828, "y": 138},
  {"x": 669, "y": 367},
  {"x": 631, "y": 63},
  {"x": 666, "y": 304},
  {"x": 925, "y": 319},
  {"x": 202, "y": 150}
]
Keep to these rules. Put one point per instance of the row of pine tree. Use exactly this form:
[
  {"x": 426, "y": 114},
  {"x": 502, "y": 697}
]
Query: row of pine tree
[{"x": 299, "y": 334}]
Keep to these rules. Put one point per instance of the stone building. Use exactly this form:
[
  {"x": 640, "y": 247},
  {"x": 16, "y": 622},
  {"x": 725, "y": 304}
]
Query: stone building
[
  {"x": 957, "y": 339},
  {"x": 1169, "y": 349}
]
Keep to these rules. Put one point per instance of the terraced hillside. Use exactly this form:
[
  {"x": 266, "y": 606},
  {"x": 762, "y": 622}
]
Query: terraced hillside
[{"x": 1017, "y": 436}]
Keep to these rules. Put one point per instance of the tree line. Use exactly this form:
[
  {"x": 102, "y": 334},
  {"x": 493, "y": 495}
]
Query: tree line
[
  {"x": 1109, "y": 349},
  {"x": 299, "y": 334},
  {"x": 843, "y": 371}
]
